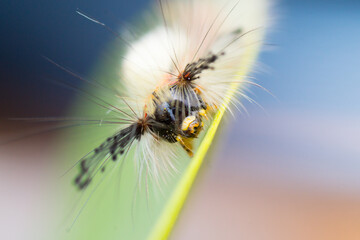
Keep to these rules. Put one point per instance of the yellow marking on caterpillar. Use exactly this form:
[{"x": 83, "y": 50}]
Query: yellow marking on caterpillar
[
  {"x": 193, "y": 126},
  {"x": 186, "y": 123},
  {"x": 202, "y": 113}
]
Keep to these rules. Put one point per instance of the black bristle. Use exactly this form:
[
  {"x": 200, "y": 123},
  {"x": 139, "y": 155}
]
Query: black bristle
[
  {"x": 78, "y": 179},
  {"x": 83, "y": 167},
  {"x": 85, "y": 183},
  {"x": 114, "y": 146}
]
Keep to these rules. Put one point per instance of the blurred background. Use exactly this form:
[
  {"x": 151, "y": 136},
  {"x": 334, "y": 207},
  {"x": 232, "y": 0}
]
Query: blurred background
[{"x": 290, "y": 171}]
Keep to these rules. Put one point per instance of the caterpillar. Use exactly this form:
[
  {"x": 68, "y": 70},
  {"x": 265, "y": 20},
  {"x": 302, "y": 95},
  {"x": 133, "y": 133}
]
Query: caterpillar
[{"x": 175, "y": 77}]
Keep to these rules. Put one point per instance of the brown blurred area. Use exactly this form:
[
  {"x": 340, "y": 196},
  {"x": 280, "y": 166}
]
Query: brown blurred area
[{"x": 228, "y": 206}]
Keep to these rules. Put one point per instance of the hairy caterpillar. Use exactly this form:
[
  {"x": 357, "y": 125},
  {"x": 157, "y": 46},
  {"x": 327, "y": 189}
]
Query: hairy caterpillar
[{"x": 175, "y": 77}]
